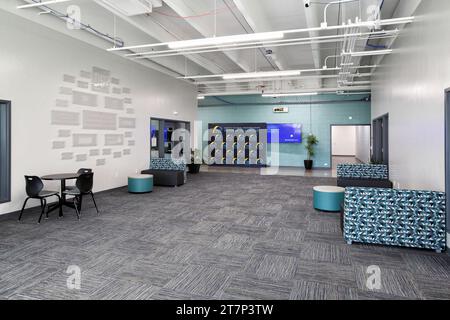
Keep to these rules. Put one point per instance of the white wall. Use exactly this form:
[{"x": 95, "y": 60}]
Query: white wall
[
  {"x": 343, "y": 140},
  {"x": 33, "y": 60},
  {"x": 362, "y": 148},
  {"x": 410, "y": 87}
]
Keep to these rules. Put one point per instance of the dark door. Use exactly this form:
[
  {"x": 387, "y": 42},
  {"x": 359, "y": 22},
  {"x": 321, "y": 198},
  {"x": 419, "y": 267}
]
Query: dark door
[
  {"x": 447, "y": 157},
  {"x": 5, "y": 151},
  {"x": 380, "y": 153}
]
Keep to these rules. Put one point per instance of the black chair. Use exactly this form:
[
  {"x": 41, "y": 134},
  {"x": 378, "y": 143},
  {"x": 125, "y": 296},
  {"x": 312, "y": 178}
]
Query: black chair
[
  {"x": 80, "y": 171},
  {"x": 83, "y": 186},
  {"x": 34, "y": 186}
]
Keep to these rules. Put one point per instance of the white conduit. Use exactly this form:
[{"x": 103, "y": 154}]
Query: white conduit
[
  {"x": 324, "y": 23},
  {"x": 243, "y": 48},
  {"x": 301, "y": 71},
  {"x": 368, "y": 24},
  {"x": 345, "y": 76},
  {"x": 320, "y": 90},
  {"x": 274, "y": 43},
  {"x": 360, "y": 75}
]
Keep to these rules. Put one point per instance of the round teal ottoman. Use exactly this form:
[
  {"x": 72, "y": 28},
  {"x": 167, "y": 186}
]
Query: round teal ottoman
[
  {"x": 141, "y": 183},
  {"x": 328, "y": 198}
]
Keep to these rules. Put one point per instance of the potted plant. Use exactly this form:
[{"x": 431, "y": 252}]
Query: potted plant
[
  {"x": 311, "y": 142},
  {"x": 196, "y": 161}
]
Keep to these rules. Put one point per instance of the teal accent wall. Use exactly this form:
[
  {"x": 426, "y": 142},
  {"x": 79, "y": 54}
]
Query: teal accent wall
[{"x": 325, "y": 111}]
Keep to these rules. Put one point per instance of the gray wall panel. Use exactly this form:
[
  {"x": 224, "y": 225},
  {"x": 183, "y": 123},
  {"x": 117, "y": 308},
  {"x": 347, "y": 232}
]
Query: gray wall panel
[
  {"x": 113, "y": 139},
  {"x": 113, "y": 103},
  {"x": 99, "y": 120},
  {"x": 127, "y": 123},
  {"x": 84, "y": 99},
  {"x": 84, "y": 140},
  {"x": 65, "y": 118}
]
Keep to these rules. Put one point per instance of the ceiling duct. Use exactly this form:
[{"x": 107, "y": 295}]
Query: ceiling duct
[{"x": 133, "y": 7}]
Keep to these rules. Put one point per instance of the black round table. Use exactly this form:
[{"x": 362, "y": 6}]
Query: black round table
[{"x": 62, "y": 177}]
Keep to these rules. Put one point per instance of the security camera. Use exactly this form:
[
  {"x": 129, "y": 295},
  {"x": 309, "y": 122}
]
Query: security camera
[{"x": 307, "y": 3}]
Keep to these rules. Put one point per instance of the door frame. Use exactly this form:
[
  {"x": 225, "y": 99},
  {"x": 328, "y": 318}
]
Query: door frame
[
  {"x": 447, "y": 157},
  {"x": 162, "y": 122},
  {"x": 5, "y": 165},
  {"x": 345, "y": 125},
  {"x": 384, "y": 137}
]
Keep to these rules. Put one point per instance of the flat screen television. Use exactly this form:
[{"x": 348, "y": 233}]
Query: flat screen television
[{"x": 287, "y": 132}]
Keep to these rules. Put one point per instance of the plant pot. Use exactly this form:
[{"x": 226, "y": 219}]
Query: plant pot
[
  {"x": 194, "y": 168},
  {"x": 308, "y": 164}
]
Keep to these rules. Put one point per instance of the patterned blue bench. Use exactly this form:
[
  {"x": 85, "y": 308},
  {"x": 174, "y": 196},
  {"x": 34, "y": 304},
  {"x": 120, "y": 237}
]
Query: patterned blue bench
[
  {"x": 167, "y": 172},
  {"x": 407, "y": 218},
  {"x": 363, "y": 175}
]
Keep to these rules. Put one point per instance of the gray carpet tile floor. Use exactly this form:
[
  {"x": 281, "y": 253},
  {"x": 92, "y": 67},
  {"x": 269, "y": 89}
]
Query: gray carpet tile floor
[{"x": 220, "y": 236}]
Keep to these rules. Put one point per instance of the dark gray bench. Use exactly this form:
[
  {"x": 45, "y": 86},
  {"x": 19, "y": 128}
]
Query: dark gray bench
[
  {"x": 167, "y": 172},
  {"x": 363, "y": 175},
  {"x": 168, "y": 178}
]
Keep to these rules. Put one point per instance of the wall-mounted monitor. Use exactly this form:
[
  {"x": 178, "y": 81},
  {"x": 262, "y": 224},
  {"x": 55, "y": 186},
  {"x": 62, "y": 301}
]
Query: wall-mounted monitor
[{"x": 287, "y": 132}]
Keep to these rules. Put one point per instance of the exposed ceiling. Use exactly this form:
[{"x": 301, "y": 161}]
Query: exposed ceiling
[{"x": 162, "y": 21}]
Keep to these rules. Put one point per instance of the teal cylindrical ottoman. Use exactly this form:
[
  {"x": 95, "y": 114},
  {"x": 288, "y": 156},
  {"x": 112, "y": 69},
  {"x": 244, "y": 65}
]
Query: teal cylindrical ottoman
[
  {"x": 141, "y": 183},
  {"x": 328, "y": 198}
]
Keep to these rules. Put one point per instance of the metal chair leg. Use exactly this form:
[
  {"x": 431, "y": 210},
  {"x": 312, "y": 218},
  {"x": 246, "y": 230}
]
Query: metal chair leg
[
  {"x": 44, "y": 204},
  {"x": 75, "y": 202},
  {"x": 60, "y": 206},
  {"x": 80, "y": 202},
  {"x": 46, "y": 212},
  {"x": 23, "y": 208},
  {"x": 95, "y": 204}
]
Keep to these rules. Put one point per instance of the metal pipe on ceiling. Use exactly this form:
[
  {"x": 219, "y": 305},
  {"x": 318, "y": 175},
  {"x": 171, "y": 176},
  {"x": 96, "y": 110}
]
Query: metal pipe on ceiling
[
  {"x": 369, "y": 24},
  {"x": 320, "y": 90},
  {"x": 252, "y": 45},
  {"x": 286, "y": 103},
  {"x": 301, "y": 71},
  {"x": 361, "y": 75}
]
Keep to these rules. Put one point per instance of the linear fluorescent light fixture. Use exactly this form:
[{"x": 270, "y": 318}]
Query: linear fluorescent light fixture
[
  {"x": 200, "y": 97},
  {"x": 267, "y": 74},
  {"x": 43, "y": 3},
  {"x": 341, "y": 93},
  {"x": 368, "y": 53},
  {"x": 130, "y": 7},
  {"x": 236, "y": 39},
  {"x": 293, "y": 94}
]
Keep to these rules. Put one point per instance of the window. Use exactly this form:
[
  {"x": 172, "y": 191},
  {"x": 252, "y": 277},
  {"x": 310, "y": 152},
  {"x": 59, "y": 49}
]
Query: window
[{"x": 5, "y": 151}]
